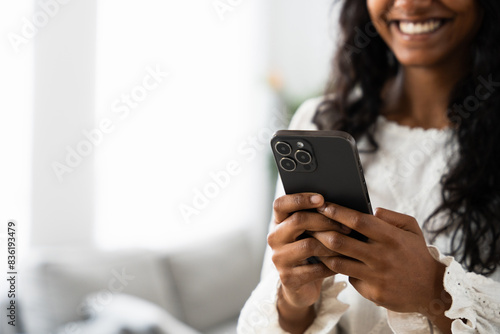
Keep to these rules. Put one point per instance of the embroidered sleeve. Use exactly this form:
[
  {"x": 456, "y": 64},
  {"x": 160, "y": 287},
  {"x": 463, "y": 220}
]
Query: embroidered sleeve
[{"x": 475, "y": 304}]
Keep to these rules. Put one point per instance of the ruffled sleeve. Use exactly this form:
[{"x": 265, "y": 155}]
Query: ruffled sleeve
[
  {"x": 475, "y": 303},
  {"x": 329, "y": 309},
  {"x": 260, "y": 314}
]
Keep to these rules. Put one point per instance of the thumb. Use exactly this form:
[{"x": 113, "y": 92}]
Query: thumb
[{"x": 399, "y": 220}]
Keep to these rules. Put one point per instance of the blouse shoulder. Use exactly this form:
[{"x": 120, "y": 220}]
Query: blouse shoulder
[{"x": 303, "y": 117}]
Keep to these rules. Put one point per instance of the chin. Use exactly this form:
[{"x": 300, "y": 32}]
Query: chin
[{"x": 420, "y": 59}]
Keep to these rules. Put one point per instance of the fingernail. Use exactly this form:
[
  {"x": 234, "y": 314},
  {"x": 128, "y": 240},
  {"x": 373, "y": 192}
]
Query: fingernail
[
  {"x": 315, "y": 199},
  {"x": 322, "y": 208}
]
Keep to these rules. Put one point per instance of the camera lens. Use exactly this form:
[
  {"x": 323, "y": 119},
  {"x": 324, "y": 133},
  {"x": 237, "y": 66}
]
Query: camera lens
[
  {"x": 303, "y": 157},
  {"x": 283, "y": 148},
  {"x": 288, "y": 164}
]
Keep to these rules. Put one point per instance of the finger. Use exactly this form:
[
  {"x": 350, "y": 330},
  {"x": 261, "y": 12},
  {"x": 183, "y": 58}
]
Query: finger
[
  {"x": 346, "y": 266},
  {"x": 297, "y": 253},
  {"x": 285, "y": 205},
  {"x": 303, "y": 221},
  {"x": 295, "y": 278},
  {"x": 345, "y": 245},
  {"x": 370, "y": 226},
  {"x": 399, "y": 220}
]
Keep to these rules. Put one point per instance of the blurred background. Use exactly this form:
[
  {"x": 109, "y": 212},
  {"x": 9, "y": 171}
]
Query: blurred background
[{"x": 135, "y": 144}]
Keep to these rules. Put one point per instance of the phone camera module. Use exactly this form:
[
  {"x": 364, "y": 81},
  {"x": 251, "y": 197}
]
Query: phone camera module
[
  {"x": 303, "y": 157},
  {"x": 283, "y": 148},
  {"x": 288, "y": 164}
]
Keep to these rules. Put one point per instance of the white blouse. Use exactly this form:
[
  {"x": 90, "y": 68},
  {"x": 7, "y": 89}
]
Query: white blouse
[{"x": 402, "y": 176}]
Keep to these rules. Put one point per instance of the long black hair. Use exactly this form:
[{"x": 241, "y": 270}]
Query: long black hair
[{"x": 471, "y": 188}]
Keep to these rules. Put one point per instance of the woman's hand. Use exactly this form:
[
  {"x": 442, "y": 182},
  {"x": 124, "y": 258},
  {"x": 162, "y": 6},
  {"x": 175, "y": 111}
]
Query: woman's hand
[
  {"x": 300, "y": 280},
  {"x": 394, "y": 268}
]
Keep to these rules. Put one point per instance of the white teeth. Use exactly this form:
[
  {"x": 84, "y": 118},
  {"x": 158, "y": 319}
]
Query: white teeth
[{"x": 415, "y": 28}]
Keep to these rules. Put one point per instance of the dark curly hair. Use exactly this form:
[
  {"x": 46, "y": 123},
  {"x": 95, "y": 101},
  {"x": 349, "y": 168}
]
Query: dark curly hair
[{"x": 471, "y": 188}]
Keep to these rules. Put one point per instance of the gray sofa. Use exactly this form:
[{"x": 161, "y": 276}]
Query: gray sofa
[{"x": 197, "y": 289}]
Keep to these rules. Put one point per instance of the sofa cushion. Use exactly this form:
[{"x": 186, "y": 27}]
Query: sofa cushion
[
  {"x": 214, "y": 279},
  {"x": 57, "y": 284},
  {"x": 126, "y": 314}
]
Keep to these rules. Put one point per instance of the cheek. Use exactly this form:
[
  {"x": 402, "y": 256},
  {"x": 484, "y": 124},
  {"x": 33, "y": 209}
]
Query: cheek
[
  {"x": 461, "y": 5},
  {"x": 377, "y": 10},
  {"x": 469, "y": 11},
  {"x": 383, "y": 30},
  {"x": 467, "y": 28}
]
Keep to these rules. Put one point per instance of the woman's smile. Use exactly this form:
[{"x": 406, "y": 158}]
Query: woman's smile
[
  {"x": 426, "y": 33},
  {"x": 417, "y": 28}
]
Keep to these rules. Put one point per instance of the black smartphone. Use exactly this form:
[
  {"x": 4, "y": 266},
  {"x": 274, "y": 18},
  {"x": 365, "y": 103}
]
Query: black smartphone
[{"x": 323, "y": 162}]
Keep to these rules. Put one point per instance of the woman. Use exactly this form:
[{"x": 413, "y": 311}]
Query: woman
[{"x": 416, "y": 83}]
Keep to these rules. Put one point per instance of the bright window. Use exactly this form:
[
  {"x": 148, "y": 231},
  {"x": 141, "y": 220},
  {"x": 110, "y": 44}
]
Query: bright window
[{"x": 186, "y": 120}]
